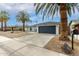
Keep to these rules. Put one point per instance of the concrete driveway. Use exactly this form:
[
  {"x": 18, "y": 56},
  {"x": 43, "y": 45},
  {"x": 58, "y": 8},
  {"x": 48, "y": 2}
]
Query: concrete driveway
[
  {"x": 36, "y": 39},
  {"x": 30, "y": 45}
]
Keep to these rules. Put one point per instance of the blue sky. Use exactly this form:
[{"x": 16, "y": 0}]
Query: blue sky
[{"x": 13, "y": 9}]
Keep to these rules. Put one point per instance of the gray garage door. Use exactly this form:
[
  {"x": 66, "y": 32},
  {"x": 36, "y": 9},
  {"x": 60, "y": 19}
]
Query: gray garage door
[{"x": 47, "y": 29}]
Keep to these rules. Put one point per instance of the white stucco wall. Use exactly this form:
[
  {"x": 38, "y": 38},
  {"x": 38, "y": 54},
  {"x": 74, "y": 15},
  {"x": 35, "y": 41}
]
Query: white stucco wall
[
  {"x": 34, "y": 29},
  {"x": 57, "y": 29}
]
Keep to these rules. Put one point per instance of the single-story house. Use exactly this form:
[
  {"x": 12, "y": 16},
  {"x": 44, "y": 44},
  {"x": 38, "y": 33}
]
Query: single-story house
[
  {"x": 46, "y": 27},
  {"x": 73, "y": 23}
]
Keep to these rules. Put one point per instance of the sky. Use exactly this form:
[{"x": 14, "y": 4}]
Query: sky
[{"x": 14, "y": 8}]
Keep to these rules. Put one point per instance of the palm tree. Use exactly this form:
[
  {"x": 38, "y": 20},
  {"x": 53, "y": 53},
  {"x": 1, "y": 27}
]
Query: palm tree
[
  {"x": 1, "y": 20},
  {"x": 23, "y": 17},
  {"x": 64, "y": 9},
  {"x": 4, "y": 18}
]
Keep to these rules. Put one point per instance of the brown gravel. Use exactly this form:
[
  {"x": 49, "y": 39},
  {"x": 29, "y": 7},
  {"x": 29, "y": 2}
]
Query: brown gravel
[
  {"x": 14, "y": 34},
  {"x": 55, "y": 45}
]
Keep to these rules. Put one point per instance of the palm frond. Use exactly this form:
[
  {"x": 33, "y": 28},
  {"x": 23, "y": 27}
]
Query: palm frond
[
  {"x": 49, "y": 9},
  {"x": 4, "y": 15},
  {"x": 22, "y": 16}
]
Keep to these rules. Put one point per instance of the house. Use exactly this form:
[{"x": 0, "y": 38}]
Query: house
[
  {"x": 46, "y": 27},
  {"x": 73, "y": 24}
]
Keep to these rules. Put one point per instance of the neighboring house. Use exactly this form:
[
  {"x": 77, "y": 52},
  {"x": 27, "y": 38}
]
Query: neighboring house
[
  {"x": 73, "y": 23},
  {"x": 47, "y": 27}
]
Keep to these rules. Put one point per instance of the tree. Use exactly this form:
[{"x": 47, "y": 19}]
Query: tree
[
  {"x": 64, "y": 9},
  {"x": 23, "y": 17},
  {"x": 4, "y": 18}
]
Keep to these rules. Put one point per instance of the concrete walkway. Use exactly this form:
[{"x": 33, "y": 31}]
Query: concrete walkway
[{"x": 11, "y": 47}]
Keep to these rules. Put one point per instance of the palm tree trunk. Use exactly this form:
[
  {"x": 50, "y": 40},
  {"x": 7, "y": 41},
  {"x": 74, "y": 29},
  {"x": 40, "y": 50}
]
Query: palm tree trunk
[
  {"x": 1, "y": 26},
  {"x": 23, "y": 26},
  {"x": 5, "y": 26},
  {"x": 63, "y": 25}
]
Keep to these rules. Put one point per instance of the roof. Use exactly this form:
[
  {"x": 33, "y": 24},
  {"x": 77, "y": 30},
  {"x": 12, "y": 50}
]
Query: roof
[
  {"x": 46, "y": 24},
  {"x": 73, "y": 22}
]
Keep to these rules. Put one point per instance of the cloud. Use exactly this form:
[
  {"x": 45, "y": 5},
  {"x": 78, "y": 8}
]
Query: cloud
[{"x": 16, "y": 6}]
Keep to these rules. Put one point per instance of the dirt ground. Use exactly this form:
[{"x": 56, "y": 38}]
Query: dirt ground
[
  {"x": 55, "y": 45},
  {"x": 15, "y": 34}
]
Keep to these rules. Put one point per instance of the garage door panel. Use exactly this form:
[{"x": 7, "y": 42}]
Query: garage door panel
[{"x": 47, "y": 29}]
